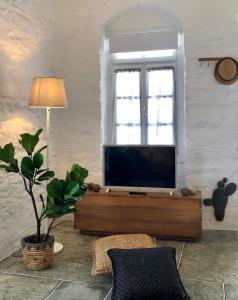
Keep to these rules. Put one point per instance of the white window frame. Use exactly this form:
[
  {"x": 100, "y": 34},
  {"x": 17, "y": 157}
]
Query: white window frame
[{"x": 144, "y": 65}]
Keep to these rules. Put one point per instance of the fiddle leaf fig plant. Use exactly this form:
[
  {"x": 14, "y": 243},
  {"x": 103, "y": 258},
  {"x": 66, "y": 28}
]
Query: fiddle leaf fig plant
[{"x": 61, "y": 194}]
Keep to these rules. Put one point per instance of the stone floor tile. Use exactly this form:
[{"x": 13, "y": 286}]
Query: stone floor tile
[
  {"x": 74, "y": 254},
  {"x": 231, "y": 292},
  {"x": 17, "y": 253},
  {"x": 79, "y": 291},
  {"x": 175, "y": 244},
  {"x": 199, "y": 290},
  {"x": 21, "y": 287},
  {"x": 109, "y": 295},
  {"x": 73, "y": 237},
  {"x": 65, "y": 225},
  {"x": 214, "y": 258},
  {"x": 204, "y": 266},
  {"x": 60, "y": 270},
  {"x": 70, "y": 253},
  {"x": 8, "y": 262}
]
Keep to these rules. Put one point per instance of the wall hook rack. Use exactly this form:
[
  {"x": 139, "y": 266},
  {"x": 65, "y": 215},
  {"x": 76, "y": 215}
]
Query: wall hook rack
[
  {"x": 226, "y": 68},
  {"x": 208, "y": 60},
  {"x": 203, "y": 59}
]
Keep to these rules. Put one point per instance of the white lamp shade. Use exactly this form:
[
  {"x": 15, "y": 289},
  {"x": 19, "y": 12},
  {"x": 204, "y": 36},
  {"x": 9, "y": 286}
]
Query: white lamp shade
[{"x": 48, "y": 92}]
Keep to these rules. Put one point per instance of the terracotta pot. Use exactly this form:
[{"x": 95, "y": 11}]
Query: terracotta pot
[{"x": 37, "y": 256}]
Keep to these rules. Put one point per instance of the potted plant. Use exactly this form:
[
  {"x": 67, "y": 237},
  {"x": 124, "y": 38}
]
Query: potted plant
[{"x": 62, "y": 194}]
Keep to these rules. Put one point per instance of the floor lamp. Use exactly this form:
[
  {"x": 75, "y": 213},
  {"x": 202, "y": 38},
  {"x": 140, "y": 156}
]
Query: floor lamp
[{"x": 48, "y": 92}]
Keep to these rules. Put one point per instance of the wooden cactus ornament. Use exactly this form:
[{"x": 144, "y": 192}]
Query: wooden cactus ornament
[{"x": 220, "y": 198}]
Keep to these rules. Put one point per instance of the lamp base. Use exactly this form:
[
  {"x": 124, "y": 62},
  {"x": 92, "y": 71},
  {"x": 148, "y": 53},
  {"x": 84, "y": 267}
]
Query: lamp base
[{"x": 58, "y": 247}]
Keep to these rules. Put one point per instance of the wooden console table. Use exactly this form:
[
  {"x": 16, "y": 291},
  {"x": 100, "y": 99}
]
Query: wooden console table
[{"x": 157, "y": 214}]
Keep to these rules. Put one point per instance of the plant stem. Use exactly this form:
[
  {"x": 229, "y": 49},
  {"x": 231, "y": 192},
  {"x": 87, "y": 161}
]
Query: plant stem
[
  {"x": 24, "y": 181},
  {"x": 29, "y": 190},
  {"x": 48, "y": 231},
  {"x": 38, "y": 221},
  {"x": 42, "y": 201}
]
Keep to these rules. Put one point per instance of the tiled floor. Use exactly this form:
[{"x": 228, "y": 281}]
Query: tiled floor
[{"x": 209, "y": 270}]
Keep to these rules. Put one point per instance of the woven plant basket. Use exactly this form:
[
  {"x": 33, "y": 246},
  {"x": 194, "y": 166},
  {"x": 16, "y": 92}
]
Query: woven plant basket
[{"x": 37, "y": 256}]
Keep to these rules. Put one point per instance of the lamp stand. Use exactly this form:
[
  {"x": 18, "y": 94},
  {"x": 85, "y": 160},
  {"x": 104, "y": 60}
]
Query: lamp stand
[{"x": 58, "y": 247}]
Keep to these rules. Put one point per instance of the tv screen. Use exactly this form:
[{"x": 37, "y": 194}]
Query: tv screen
[{"x": 140, "y": 166}]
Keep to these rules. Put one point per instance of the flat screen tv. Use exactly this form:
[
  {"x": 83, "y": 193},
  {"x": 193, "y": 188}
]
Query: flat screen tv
[{"x": 139, "y": 168}]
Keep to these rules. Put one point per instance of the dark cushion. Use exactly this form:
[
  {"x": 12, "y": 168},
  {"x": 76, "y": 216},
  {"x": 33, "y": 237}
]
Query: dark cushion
[{"x": 146, "y": 274}]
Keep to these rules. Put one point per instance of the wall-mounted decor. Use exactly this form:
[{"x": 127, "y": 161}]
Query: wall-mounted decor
[
  {"x": 220, "y": 198},
  {"x": 226, "y": 69}
]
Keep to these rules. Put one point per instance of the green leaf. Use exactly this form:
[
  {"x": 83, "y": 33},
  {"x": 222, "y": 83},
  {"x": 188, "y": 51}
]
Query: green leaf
[
  {"x": 11, "y": 167},
  {"x": 7, "y": 153},
  {"x": 69, "y": 202},
  {"x": 72, "y": 188},
  {"x": 27, "y": 167},
  {"x": 41, "y": 149},
  {"x": 77, "y": 173},
  {"x": 37, "y": 134},
  {"x": 58, "y": 211},
  {"x": 29, "y": 141},
  {"x": 55, "y": 188},
  {"x": 38, "y": 160},
  {"x": 14, "y": 165},
  {"x": 7, "y": 168},
  {"x": 41, "y": 171},
  {"x": 46, "y": 176}
]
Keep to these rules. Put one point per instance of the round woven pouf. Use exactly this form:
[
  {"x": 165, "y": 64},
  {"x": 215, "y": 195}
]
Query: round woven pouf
[{"x": 37, "y": 256}]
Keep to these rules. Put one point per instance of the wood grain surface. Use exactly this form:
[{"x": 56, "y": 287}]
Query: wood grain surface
[{"x": 157, "y": 214}]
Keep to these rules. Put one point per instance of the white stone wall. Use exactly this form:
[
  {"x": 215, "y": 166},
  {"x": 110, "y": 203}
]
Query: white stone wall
[
  {"x": 210, "y": 29},
  {"x": 25, "y": 51}
]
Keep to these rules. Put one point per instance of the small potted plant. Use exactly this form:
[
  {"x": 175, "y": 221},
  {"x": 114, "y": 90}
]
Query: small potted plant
[{"x": 62, "y": 194}]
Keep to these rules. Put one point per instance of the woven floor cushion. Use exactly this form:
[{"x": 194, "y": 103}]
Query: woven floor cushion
[
  {"x": 101, "y": 261},
  {"x": 146, "y": 274}
]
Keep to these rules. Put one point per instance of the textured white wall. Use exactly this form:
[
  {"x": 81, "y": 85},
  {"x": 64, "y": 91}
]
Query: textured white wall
[
  {"x": 210, "y": 29},
  {"x": 25, "y": 51}
]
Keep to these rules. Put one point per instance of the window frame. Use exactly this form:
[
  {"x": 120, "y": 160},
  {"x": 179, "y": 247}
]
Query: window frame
[{"x": 144, "y": 66}]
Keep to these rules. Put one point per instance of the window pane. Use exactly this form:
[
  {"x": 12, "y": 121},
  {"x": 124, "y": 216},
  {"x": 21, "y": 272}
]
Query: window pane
[
  {"x": 145, "y": 54},
  {"x": 128, "y": 111},
  {"x": 128, "y": 134},
  {"x": 160, "y": 110},
  {"x": 127, "y": 84},
  {"x": 162, "y": 135},
  {"x": 160, "y": 53},
  {"x": 128, "y": 55},
  {"x": 161, "y": 82}
]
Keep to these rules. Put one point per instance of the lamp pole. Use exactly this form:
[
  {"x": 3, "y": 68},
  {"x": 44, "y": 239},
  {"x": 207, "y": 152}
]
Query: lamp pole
[
  {"x": 48, "y": 136},
  {"x": 48, "y": 92}
]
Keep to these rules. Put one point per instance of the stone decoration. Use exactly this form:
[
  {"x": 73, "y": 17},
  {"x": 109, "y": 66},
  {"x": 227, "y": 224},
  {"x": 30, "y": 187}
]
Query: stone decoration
[
  {"x": 93, "y": 187},
  {"x": 187, "y": 191}
]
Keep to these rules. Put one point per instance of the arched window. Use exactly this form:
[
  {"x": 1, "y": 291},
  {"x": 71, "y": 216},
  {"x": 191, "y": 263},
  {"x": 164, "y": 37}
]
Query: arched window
[{"x": 143, "y": 80}]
